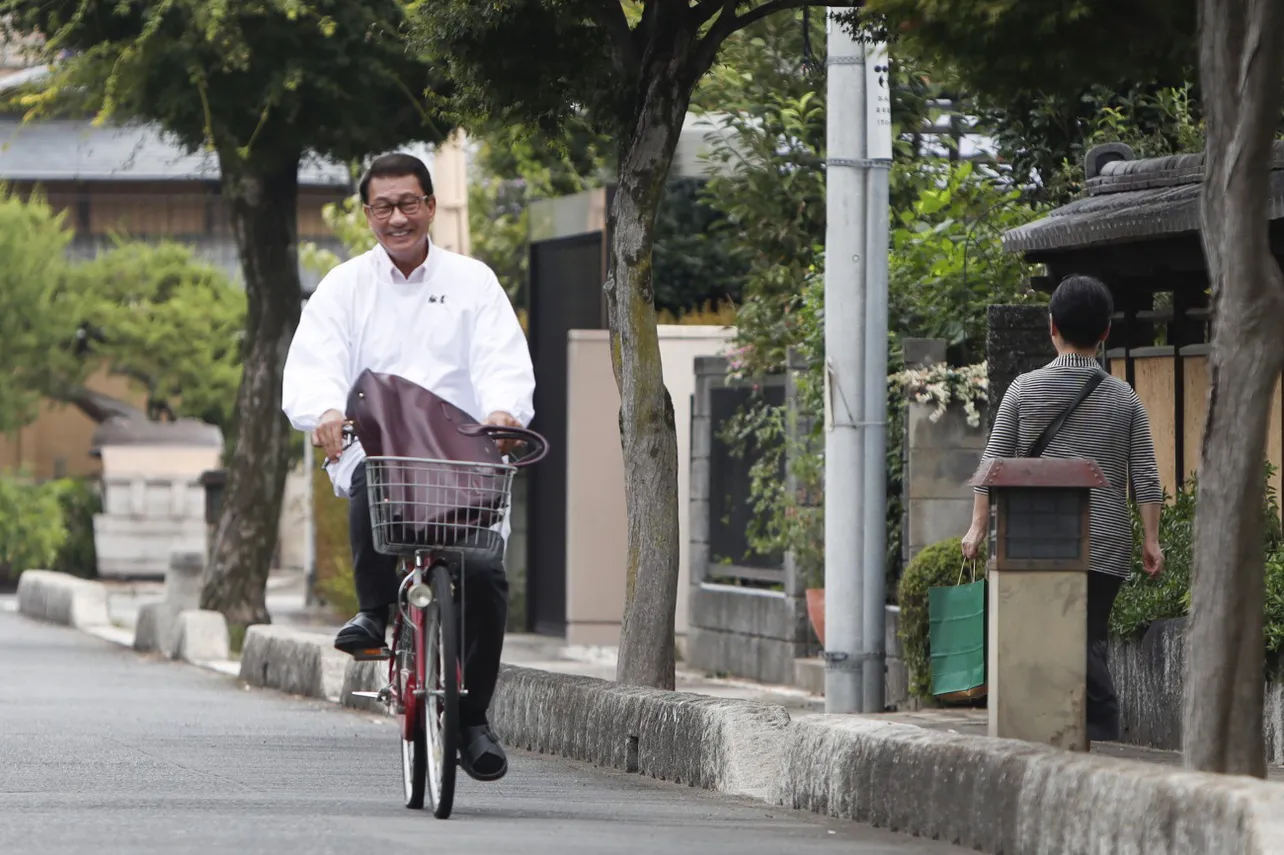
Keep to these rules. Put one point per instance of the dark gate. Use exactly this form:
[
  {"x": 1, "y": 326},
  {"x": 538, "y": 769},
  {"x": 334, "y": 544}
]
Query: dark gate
[{"x": 566, "y": 276}]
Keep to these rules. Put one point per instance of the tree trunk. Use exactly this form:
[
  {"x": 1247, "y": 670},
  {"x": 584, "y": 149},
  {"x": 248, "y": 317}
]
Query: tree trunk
[
  {"x": 264, "y": 221},
  {"x": 1241, "y": 51},
  {"x": 647, "y": 429}
]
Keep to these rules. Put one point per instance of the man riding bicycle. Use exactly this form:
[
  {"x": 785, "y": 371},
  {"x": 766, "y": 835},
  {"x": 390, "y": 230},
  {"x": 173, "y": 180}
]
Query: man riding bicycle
[{"x": 441, "y": 320}]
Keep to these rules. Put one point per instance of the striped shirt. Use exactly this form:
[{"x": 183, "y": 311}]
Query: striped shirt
[{"x": 1110, "y": 426}]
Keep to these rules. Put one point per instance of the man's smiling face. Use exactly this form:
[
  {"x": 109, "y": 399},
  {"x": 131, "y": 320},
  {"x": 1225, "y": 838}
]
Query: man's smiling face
[{"x": 403, "y": 235}]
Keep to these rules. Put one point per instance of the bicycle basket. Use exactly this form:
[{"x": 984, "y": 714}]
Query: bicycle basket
[{"x": 437, "y": 504}]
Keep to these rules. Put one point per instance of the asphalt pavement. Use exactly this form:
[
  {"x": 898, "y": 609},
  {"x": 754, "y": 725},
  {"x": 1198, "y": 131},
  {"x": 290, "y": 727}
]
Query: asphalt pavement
[{"x": 103, "y": 751}]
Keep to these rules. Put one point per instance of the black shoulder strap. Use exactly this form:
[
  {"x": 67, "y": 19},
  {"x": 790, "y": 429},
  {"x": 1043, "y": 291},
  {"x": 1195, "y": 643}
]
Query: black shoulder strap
[{"x": 1041, "y": 444}]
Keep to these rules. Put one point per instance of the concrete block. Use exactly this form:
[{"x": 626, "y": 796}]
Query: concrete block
[
  {"x": 699, "y": 519},
  {"x": 950, "y": 431},
  {"x": 699, "y": 483},
  {"x": 730, "y": 746},
  {"x": 701, "y": 437},
  {"x": 809, "y": 675},
  {"x": 183, "y": 579},
  {"x": 157, "y": 628},
  {"x": 301, "y": 663},
  {"x": 1149, "y": 674},
  {"x": 1003, "y": 796},
  {"x": 934, "y": 520},
  {"x": 62, "y": 599},
  {"x": 923, "y": 351},
  {"x": 201, "y": 636},
  {"x": 1037, "y": 631},
  {"x": 748, "y": 611},
  {"x": 942, "y": 473},
  {"x": 141, "y": 546},
  {"x": 767, "y": 660}
]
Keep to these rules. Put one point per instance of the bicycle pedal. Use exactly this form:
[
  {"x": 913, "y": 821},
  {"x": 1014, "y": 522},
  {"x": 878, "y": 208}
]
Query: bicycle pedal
[
  {"x": 372, "y": 654},
  {"x": 383, "y": 696}
]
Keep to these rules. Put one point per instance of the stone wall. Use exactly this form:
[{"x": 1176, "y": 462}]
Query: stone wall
[
  {"x": 942, "y": 457},
  {"x": 1149, "y": 676},
  {"x": 1017, "y": 341}
]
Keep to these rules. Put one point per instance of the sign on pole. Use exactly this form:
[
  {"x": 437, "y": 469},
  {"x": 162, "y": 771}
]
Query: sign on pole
[{"x": 878, "y": 102}]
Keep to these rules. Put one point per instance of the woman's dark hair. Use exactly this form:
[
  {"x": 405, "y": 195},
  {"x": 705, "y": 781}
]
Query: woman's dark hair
[
  {"x": 1081, "y": 308},
  {"x": 395, "y": 166}
]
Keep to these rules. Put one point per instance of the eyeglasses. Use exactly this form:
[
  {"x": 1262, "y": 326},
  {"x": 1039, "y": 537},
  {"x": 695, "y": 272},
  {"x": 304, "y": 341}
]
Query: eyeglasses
[{"x": 409, "y": 206}]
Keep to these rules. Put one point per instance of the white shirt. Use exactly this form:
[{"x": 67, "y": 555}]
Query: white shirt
[{"x": 448, "y": 327}]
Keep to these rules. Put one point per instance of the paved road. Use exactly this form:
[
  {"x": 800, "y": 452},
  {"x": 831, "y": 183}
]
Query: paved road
[{"x": 102, "y": 751}]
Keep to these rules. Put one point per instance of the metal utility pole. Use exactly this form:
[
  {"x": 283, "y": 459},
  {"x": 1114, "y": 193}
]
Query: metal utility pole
[
  {"x": 858, "y": 140},
  {"x": 878, "y": 153}
]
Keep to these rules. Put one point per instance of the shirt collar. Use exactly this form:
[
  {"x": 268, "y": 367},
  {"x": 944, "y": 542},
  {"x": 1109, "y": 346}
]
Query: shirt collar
[
  {"x": 1074, "y": 360},
  {"x": 389, "y": 272}
]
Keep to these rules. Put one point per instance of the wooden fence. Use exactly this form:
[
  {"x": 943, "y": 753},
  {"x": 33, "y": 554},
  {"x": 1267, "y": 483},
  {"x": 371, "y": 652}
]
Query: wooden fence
[{"x": 1173, "y": 383}]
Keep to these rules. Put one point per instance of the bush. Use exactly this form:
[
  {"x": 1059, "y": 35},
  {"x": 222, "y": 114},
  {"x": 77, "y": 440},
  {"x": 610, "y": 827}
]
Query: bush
[
  {"x": 334, "y": 584},
  {"x": 79, "y": 500},
  {"x": 939, "y": 565},
  {"x": 32, "y": 530},
  {"x": 1143, "y": 600}
]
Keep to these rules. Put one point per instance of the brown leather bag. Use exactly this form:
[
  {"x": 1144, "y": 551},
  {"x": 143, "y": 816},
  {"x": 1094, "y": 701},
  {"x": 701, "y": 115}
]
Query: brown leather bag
[{"x": 429, "y": 505}]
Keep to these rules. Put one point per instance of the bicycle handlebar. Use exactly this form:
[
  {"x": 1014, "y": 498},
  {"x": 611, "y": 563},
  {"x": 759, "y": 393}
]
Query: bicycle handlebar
[{"x": 536, "y": 441}]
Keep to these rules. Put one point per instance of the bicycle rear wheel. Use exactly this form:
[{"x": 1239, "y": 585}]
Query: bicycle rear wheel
[
  {"x": 440, "y": 649},
  {"x": 406, "y": 677}
]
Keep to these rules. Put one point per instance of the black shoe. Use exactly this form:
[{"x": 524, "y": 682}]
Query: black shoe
[
  {"x": 363, "y": 636},
  {"x": 481, "y": 755}
]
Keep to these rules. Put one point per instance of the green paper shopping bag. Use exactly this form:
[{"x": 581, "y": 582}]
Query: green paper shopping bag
[{"x": 956, "y": 639}]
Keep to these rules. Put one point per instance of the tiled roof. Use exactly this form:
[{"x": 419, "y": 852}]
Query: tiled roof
[
  {"x": 75, "y": 150},
  {"x": 1132, "y": 200}
]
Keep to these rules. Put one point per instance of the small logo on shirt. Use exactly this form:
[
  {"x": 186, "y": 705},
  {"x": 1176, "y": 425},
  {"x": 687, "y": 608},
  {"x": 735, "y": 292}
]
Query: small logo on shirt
[{"x": 433, "y": 298}]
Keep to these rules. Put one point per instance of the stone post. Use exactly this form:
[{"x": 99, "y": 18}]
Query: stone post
[
  {"x": 1037, "y": 587},
  {"x": 1017, "y": 341}
]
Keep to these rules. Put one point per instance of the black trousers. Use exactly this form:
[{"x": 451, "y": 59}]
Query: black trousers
[
  {"x": 1103, "y": 703},
  {"x": 485, "y": 612}
]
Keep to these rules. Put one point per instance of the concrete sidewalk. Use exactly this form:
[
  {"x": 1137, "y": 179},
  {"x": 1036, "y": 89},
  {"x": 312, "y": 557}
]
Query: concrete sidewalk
[{"x": 285, "y": 600}]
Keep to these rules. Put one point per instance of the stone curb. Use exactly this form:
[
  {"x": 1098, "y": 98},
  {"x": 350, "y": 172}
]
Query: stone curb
[
  {"x": 996, "y": 796},
  {"x": 201, "y": 636},
  {"x": 63, "y": 599},
  {"x": 729, "y": 746},
  {"x": 301, "y": 663}
]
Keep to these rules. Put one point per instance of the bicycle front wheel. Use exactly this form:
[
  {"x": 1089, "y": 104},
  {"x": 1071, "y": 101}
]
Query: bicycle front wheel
[{"x": 440, "y": 655}]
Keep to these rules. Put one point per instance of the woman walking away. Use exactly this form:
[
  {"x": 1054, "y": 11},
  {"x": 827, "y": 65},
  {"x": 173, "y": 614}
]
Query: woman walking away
[{"x": 1103, "y": 420}]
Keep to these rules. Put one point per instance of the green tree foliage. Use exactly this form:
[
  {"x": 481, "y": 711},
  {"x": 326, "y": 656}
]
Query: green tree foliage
[
  {"x": 261, "y": 84},
  {"x": 1039, "y": 73},
  {"x": 170, "y": 322},
  {"x": 1042, "y": 138},
  {"x": 946, "y": 263},
  {"x": 998, "y": 47},
  {"x": 32, "y": 530},
  {"x": 150, "y": 312},
  {"x": 35, "y": 334}
]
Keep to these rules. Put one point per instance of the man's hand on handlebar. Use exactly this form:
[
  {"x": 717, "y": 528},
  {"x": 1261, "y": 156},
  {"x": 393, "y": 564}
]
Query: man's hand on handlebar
[
  {"x": 329, "y": 434},
  {"x": 502, "y": 419}
]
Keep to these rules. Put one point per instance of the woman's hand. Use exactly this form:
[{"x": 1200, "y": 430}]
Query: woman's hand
[
  {"x": 972, "y": 541},
  {"x": 1152, "y": 557}
]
